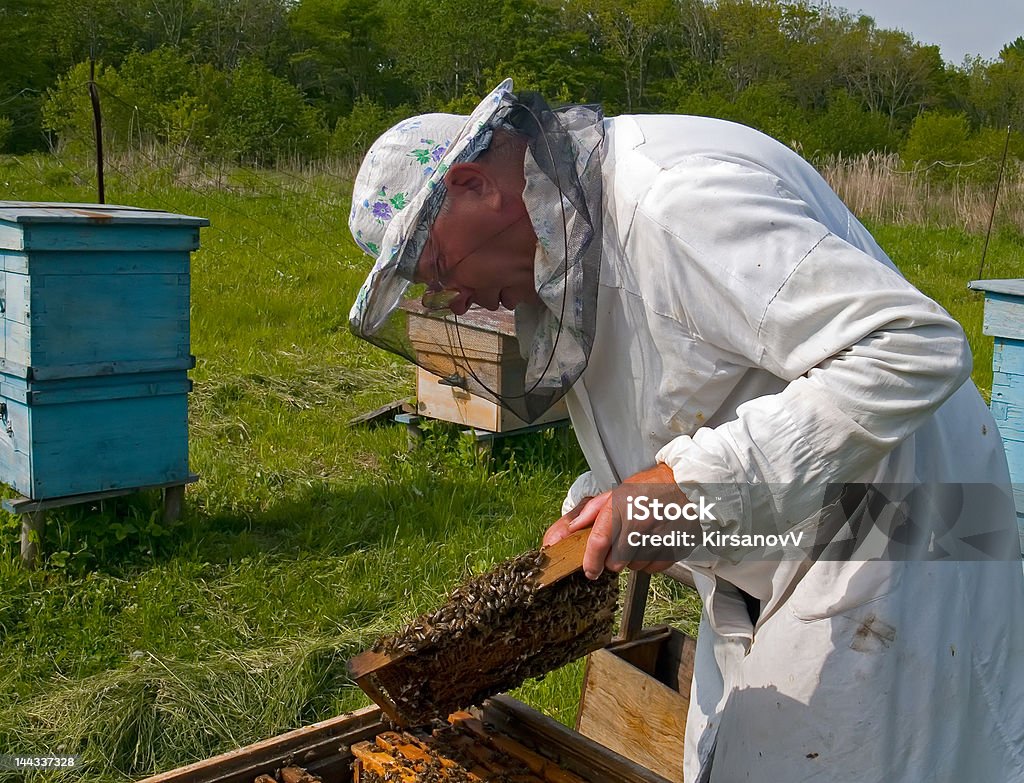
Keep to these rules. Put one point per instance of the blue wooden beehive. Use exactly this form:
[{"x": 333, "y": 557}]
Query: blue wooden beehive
[
  {"x": 94, "y": 332},
  {"x": 1004, "y": 321}
]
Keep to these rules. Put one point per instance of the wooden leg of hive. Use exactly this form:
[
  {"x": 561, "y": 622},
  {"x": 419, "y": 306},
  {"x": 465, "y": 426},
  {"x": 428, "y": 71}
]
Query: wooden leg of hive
[
  {"x": 174, "y": 499},
  {"x": 413, "y": 435},
  {"x": 33, "y": 528}
]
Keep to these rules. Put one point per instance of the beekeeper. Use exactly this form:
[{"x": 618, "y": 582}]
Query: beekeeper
[{"x": 722, "y": 327}]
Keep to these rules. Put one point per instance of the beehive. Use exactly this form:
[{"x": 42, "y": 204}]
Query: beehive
[
  {"x": 484, "y": 341},
  {"x": 94, "y": 330},
  {"x": 1004, "y": 321},
  {"x": 325, "y": 749}
]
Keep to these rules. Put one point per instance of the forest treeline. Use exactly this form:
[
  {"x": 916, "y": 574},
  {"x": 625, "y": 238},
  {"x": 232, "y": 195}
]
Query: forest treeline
[{"x": 253, "y": 80}]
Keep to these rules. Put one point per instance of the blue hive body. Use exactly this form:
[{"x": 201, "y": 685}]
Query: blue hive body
[
  {"x": 94, "y": 315},
  {"x": 1004, "y": 320}
]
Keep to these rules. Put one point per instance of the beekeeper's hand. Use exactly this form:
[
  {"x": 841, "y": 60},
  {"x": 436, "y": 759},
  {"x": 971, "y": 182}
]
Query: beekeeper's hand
[
  {"x": 605, "y": 513},
  {"x": 560, "y": 528}
]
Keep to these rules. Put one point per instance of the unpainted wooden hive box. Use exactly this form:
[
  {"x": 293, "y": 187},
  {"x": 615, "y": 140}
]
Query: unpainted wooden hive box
[
  {"x": 486, "y": 341},
  {"x": 94, "y": 347}
]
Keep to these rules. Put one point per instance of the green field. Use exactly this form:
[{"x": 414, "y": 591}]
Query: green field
[{"x": 143, "y": 646}]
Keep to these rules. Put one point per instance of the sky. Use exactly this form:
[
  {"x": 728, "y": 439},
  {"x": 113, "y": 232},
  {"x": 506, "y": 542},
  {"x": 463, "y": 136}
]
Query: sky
[{"x": 959, "y": 27}]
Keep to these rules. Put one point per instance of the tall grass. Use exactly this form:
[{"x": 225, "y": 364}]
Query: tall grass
[{"x": 879, "y": 187}]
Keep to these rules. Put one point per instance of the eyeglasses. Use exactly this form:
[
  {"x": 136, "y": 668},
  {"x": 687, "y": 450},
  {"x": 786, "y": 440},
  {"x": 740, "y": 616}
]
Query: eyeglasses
[{"x": 438, "y": 295}]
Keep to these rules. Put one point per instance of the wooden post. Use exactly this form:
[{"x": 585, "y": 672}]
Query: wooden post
[
  {"x": 33, "y": 527},
  {"x": 174, "y": 498},
  {"x": 634, "y": 605},
  {"x": 97, "y": 117}
]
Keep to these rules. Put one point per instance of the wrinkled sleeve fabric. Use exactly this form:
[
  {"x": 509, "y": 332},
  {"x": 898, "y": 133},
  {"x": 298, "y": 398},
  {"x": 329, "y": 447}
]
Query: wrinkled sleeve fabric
[
  {"x": 585, "y": 486},
  {"x": 747, "y": 266}
]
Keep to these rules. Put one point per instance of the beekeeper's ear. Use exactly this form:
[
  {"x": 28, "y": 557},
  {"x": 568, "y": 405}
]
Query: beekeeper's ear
[{"x": 473, "y": 182}]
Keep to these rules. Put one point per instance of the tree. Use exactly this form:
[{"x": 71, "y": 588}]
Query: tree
[
  {"x": 226, "y": 32},
  {"x": 631, "y": 31},
  {"x": 995, "y": 91},
  {"x": 27, "y": 64},
  {"x": 338, "y": 53},
  {"x": 452, "y": 63},
  {"x": 554, "y": 53},
  {"x": 701, "y": 38},
  {"x": 754, "y": 47},
  {"x": 1013, "y": 49},
  {"x": 892, "y": 75}
]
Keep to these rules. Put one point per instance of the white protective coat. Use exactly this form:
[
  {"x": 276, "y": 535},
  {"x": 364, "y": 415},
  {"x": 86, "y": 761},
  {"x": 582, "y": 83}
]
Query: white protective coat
[{"x": 751, "y": 332}]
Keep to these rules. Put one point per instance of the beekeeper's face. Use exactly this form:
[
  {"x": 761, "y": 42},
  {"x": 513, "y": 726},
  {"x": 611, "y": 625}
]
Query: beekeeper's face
[{"x": 482, "y": 244}]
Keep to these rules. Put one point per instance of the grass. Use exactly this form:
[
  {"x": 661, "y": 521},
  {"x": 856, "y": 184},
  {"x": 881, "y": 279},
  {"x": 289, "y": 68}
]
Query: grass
[
  {"x": 144, "y": 646},
  {"x": 942, "y": 260}
]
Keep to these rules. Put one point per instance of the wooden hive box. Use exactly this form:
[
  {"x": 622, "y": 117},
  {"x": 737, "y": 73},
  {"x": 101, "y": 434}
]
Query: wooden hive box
[
  {"x": 1004, "y": 321},
  {"x": 94, "y": 313},
  {"x": 324, "y": 749},
  {"x": 486, "y": 341},
  {"x": 635, "y": 698}
]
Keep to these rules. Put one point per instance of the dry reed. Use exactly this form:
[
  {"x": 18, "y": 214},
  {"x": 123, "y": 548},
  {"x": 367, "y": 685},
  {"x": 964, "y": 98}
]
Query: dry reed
[{"x": 877, "y": 187}]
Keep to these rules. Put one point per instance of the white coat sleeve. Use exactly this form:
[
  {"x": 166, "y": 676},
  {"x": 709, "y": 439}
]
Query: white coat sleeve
[
  {"x": 867, "y": 356},
  {"x": 585, "y": 486}
]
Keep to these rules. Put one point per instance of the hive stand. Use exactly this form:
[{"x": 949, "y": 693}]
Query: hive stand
[
  {"x": 482, "y": 439},
  {"x": 33, "y": 525}
]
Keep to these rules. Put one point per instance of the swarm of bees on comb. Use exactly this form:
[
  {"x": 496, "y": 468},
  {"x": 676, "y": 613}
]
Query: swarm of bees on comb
[{"x": 493, "y": 633}]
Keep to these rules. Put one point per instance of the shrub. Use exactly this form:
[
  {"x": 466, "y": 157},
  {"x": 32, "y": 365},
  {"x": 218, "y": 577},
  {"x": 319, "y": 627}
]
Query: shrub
[
  {"x": 175, "y": 98},
  {"x": 67, "y": 110},
  {"x": 767, "y": 107},
  {"x": 847, "y": 129},
  {"x": 248, "y": 114},
  {"x": 985, "y": 150},
  {"x": 265, "y": 117},
  {"x": 947, "y": 147},
  {"x": 355, "y": 132},
  {"x": 935, "y": 139}
]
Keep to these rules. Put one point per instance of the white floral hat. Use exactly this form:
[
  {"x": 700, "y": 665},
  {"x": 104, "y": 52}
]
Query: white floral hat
[{"x": 398, "y": 192}]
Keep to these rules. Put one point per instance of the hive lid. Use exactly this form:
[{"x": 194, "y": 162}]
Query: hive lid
[
  {"x": 23, "y": 212},
  {"x": 1010, "y": 286}
]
